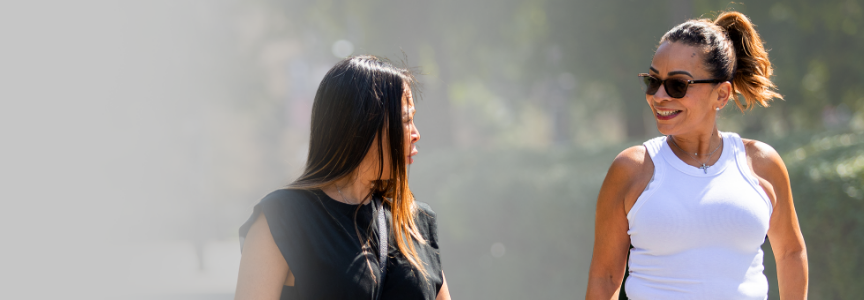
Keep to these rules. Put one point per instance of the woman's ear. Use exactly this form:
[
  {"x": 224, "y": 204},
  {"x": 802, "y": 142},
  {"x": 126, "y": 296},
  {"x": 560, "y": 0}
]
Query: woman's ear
[{"x": 724, "y": 93}]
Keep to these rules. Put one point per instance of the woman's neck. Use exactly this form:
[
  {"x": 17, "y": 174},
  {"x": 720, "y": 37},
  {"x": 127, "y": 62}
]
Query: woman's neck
[
  {"x": 699, "y": 144},
  {"x": 350, "y": 190}
]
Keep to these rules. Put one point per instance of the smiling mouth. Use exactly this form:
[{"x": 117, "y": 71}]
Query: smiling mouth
[{"x": 667, "y": 114}]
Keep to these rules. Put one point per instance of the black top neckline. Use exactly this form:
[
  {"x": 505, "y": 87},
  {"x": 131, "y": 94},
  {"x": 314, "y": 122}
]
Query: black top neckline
[{"x": 342, "y": 205}]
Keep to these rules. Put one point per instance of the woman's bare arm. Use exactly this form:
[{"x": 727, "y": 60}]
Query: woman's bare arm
[
  {"x": 263, "y": 270},
  {"x": 784, "y": 233},
  {"x": 444, "y": 292},
  {"x": 611, "y": 241}
]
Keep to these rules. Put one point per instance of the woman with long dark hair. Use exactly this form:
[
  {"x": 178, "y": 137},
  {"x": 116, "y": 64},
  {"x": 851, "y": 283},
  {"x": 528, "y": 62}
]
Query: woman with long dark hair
[
  {"x": 692, "y": 208},
  {"x": 348, "y": 227}
]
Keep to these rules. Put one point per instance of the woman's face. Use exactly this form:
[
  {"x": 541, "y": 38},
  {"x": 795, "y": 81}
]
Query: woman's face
[
  {"x": 696, "y": 110},
  {"x": 410, "y": 136}
]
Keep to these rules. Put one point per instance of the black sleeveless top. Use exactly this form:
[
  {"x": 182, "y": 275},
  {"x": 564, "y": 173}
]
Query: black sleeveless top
[{"x": 317, "y": 237}]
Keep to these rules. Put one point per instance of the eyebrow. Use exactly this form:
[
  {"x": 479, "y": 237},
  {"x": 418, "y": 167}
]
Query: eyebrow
[
  {"x": 680, "y": 72},
  {"x": 672, "y": 73}
]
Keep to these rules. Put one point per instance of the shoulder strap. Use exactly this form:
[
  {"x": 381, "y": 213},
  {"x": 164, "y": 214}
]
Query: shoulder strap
[
  {"x": 383, "y": 239},
  {"x": 744, "y": 168},
  {"x": 654, "y": 145}
]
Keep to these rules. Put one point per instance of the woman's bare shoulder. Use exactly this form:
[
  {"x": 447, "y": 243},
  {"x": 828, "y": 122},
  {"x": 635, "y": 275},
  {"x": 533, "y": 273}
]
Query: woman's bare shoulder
[
  {"x": 759, "y": 148},
  {"x": 631, "y": 161},
  {"x": 627, "y": 177},
  {"x": 631, "y": 170},
  {"x": 763, "y": 157}
]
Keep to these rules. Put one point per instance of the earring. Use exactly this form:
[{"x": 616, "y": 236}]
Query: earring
[{"x": 717, "y": 109}]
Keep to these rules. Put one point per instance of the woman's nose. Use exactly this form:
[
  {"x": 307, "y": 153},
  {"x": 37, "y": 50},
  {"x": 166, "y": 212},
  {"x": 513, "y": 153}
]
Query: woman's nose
[
  {"x": 415, "y": 134},
  {"x": 661, "y": 93}
]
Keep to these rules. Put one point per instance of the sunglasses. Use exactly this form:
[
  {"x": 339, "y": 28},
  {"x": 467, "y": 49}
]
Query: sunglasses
[{"x": 675, "y": 88}]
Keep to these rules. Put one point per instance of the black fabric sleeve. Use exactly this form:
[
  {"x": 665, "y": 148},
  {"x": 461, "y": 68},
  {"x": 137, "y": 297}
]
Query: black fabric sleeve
[
  {"x": 276, "y": 207},
  {"x": 311, "y": 231},
  {"x": 256, "y": 211},
  {"x": 428, "y": 216}
]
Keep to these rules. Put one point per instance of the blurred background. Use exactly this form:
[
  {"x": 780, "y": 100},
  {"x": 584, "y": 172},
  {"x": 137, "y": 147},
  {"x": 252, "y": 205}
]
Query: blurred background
[{"x": 136, "y": 136}]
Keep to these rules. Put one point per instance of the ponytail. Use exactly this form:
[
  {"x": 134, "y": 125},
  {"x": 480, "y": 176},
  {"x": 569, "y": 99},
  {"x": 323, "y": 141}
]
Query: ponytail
[
  {"x": 733, "y": 52},
  {"x": 752, "y": 72}
]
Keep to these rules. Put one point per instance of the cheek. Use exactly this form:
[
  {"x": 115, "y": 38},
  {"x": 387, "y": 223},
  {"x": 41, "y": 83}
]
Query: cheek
[
  {"x": 695, "y": 104},
  {"x": 650, "y": 101},
  {"x": 407, "y": 137}
]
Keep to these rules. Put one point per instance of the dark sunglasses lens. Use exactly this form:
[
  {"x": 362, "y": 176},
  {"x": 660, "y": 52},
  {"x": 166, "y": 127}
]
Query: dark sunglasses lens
[
  {"x": 676, "y": 88},
  {"x": 651, "y": 85}
]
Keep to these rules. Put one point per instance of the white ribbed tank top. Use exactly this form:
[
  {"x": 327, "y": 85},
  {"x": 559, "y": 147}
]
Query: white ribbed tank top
[{"x": 698, "y": 235}]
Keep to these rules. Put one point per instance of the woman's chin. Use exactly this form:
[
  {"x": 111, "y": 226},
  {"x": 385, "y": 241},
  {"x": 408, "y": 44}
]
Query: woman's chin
[{"x": 667, "y": 130}]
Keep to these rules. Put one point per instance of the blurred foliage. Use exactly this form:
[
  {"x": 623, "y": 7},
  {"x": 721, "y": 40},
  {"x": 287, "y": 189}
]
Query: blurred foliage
[
  {"x": 526, "y": 102},
  {"x": 827, "y": 176},
  {"x": 533, "y": 73},
  {"x": 540, "y": 206}
]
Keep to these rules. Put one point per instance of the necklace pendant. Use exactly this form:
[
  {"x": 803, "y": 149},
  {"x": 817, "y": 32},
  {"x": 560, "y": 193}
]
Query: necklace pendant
[{"x": 704, "y": 168}]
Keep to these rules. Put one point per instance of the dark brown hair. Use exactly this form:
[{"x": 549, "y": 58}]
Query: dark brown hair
[{"x": 733, "y": 52}]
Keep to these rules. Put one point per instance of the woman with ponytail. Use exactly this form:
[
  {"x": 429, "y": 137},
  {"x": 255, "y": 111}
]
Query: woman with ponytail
[
  {"x": 348, "y": 227},
  {"x": 691, "y": 209}
]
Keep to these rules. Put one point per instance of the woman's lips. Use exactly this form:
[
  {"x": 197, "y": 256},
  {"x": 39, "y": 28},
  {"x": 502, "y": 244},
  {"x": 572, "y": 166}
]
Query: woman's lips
[
  {"x": 666, "y": 114},
  {"x": 411, "y": 155}
]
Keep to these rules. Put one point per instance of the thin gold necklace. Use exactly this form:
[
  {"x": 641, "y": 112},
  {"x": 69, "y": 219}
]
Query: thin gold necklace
[{"x": 704, "y": 166}]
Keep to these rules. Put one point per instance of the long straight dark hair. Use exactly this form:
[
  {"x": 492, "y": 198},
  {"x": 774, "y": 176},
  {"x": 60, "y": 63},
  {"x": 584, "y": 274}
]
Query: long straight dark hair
[{"x": 358, "y": 99}]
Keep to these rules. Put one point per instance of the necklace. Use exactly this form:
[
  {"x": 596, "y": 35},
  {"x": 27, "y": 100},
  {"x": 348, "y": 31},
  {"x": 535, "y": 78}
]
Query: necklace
[
  {"x": 340, "y": 194},
  {"x": 704, "y": 166},
  {"x": 346, "y": 199}
]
